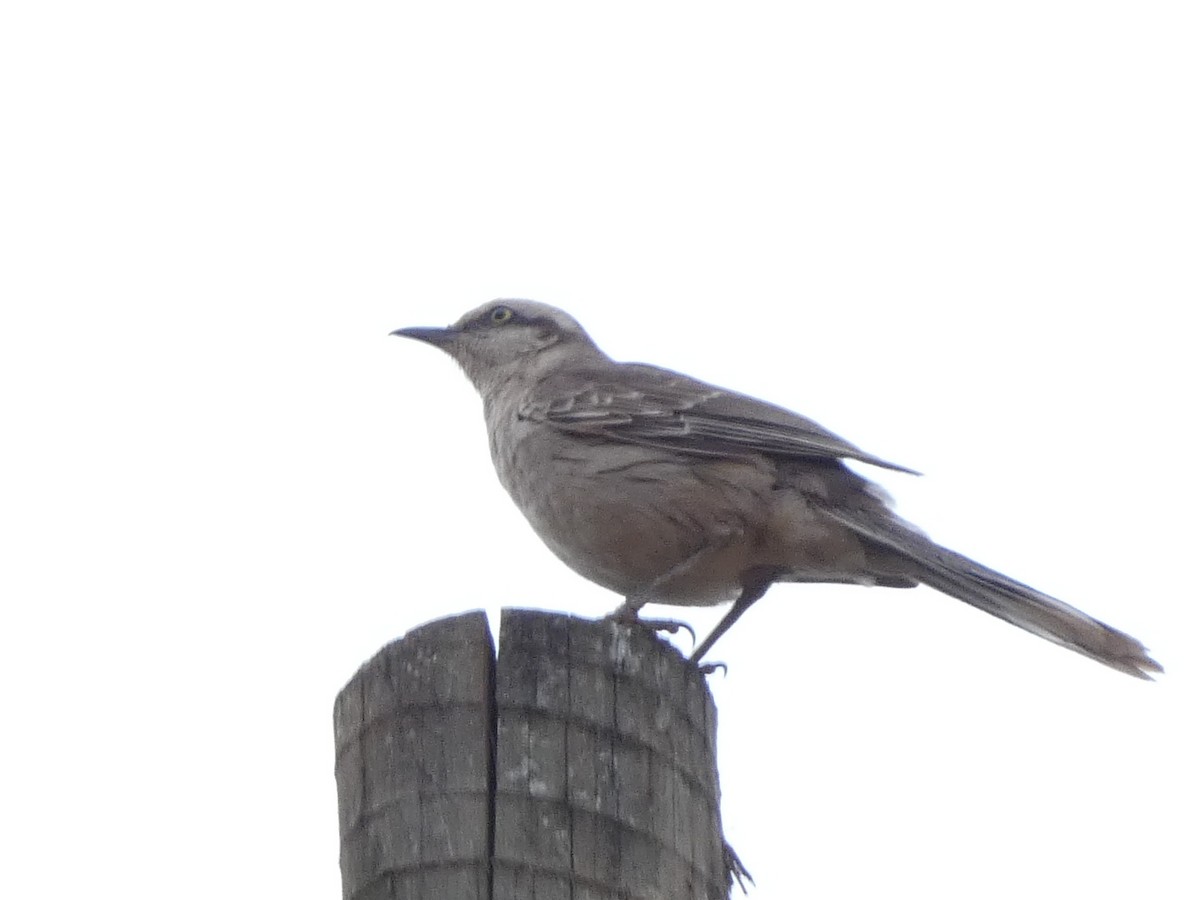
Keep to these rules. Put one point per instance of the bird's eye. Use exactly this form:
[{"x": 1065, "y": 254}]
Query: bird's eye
[{"x": 501, "y": 314}]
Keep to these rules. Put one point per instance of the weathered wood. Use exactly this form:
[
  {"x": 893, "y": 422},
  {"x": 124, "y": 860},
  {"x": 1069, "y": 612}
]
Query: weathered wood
[
  {"x": 606, "y": 784},
  {"x": 413, "y": 731},
  {"x": 580, "y": 765}
]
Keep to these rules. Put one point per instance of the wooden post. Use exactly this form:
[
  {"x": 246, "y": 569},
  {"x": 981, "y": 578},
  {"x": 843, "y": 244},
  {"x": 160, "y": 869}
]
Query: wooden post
[
  {"x": 414, "y": 731},
  {"x": 580, "y": 765}
]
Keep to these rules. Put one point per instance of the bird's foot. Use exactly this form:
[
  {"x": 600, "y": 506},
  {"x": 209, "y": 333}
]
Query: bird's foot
[
  {"x": 734, "y": 867},
  {"x": 627, "y": 616},
  {"x": 670, "y": 626},
  {"x": 709, "y": 668}
]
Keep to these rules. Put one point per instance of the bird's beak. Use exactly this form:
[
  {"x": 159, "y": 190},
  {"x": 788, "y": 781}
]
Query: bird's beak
[{"x": 439, "y": 337}]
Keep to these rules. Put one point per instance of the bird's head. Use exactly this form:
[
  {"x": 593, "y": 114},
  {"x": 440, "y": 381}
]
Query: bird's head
[{"x": 507, "y": 338}]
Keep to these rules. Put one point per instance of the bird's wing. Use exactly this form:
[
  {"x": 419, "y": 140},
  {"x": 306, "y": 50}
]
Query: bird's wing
[{"x": 656, "y": 407}]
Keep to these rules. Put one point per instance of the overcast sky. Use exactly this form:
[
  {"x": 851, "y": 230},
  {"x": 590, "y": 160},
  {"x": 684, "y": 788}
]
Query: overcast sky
[{"x": 964, "y": 236}]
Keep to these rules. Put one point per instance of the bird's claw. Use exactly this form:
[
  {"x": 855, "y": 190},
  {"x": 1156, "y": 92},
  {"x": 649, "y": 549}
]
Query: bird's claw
[
  {"x": 734, "y": 867},
  {"x": 670, "y": 626},
  {"x": 710, "y": 668}
]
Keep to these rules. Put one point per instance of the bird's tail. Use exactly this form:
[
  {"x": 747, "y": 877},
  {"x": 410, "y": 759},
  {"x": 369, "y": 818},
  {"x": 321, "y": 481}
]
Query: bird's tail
[{"x": 1005, "y": 598}]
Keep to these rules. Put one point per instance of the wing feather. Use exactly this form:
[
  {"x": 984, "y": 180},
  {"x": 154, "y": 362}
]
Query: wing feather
[{"x": 656, "y": 407}]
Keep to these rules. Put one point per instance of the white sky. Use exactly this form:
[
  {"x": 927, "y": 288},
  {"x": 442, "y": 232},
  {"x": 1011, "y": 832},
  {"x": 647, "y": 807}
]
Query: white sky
[{"x": 963, "y": 237}]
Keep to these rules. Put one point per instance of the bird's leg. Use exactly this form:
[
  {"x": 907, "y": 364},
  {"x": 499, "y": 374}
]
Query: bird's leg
[
  {"x": 756, "y": 583},
  {"x": 629, "y": 613}
]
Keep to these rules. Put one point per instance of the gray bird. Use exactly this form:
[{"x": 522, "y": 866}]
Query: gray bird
[{"x": 669, "y": 490}]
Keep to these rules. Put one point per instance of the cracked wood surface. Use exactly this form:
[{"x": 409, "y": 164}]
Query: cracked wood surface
[{"x": 586, "y": 773}]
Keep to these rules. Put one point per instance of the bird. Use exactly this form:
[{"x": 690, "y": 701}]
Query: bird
[{"x": 666, "y": 489}]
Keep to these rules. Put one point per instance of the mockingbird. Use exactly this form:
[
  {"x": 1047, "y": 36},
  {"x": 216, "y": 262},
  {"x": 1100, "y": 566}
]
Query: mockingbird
[{"x": 669, "y": 490}]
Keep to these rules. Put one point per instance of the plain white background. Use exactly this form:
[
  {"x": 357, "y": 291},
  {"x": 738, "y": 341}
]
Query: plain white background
[{"x": 962, "y": 235}]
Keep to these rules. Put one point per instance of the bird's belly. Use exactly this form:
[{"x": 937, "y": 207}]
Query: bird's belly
[
  {"x": 644, "y": 550},
  {"x": 643, "y": 523}
]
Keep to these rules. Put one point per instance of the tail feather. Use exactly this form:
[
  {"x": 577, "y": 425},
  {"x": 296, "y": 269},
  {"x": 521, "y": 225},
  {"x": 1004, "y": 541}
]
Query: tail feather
[
  {"x": 1004, "y": 597},
  {"x": 1041, "y": 614}
]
